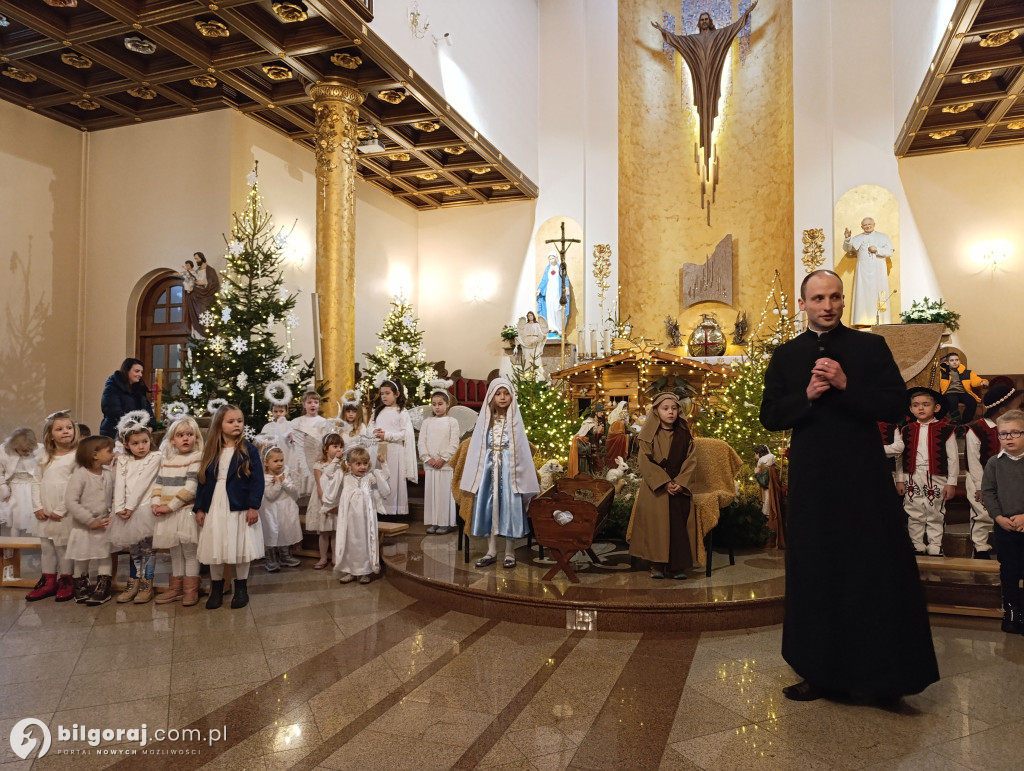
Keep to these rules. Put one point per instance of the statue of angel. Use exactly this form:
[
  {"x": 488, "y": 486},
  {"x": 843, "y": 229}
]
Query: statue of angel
[{"x": 533, "y": 331}]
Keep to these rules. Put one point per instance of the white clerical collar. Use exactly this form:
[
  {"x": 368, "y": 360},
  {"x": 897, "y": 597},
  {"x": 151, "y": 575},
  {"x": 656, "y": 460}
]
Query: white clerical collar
[
  {"x": 926, "y": 422},
  {"x": 1011, "y": 457}
]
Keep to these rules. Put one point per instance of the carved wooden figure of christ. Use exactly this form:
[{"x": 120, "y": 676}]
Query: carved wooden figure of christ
[{"x": 705, "y": 54}]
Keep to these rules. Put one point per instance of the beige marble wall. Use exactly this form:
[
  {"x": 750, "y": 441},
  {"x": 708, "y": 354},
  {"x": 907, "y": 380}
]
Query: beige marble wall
[
  {"x": 661, "y": 224},
  {"x": 40, "y": 253}
]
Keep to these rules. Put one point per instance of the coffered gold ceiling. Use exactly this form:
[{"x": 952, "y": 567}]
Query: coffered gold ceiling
[
  {"x": 973, "y": 94},
  {"x": 101, "y": 64}
]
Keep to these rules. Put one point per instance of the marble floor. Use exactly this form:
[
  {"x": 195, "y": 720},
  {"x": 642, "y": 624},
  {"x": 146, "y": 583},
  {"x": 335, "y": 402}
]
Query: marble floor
[{"x": 318, "y": 675}]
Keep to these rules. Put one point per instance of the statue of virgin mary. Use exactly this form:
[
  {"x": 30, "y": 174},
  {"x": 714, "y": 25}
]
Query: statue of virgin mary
[{"x": 553, "y": 297}]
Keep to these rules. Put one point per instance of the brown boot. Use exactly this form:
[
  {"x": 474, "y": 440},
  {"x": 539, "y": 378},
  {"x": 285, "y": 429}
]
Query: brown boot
[
  {"x": 173, "y": 592},
  {"x": 190, "y": 591},
  {"x": 130, "y": 590},
  {"x": 145, "y": 591}
]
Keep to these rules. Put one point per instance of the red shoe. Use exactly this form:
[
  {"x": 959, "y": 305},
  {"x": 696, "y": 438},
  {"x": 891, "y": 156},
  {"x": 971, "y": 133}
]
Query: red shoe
[
  {"x": 65, "y": 589},
  {"x": 47, "y": 587}
]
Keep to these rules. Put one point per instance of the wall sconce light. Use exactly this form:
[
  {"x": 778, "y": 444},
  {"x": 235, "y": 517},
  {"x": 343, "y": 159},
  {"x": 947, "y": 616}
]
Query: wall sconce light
[
  {"x": 991, "y": 253},
  {"x": 480, "y": 288},
  {"x": 419, "y": 23}
]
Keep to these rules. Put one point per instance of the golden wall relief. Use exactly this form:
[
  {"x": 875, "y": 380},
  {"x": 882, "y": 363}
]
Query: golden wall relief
[{"x": 661, "y": 223}]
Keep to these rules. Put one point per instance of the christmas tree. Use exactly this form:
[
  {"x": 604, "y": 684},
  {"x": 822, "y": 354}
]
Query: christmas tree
[
  {"x": 241, "y": 353},
  {"x": 733, "y": 413},
  {"x": 400, "y": 355},
  {"x": 547, "y": 415}
]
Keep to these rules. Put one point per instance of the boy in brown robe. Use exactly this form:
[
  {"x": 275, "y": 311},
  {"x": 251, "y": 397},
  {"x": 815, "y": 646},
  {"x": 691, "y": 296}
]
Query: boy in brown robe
[{"x": 658, "y": 526}]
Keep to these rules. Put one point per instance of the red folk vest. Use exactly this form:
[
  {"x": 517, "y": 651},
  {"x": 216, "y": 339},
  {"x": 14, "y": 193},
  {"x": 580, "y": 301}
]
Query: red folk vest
[
  {"x": 987, "y": 437},
  {"x": 938, "y": 432}
]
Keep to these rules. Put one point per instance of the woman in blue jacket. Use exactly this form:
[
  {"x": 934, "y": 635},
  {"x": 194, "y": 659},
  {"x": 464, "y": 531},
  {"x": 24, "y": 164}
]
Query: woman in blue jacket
[
  {"x": 227, "y": 505},
  {"x": 123, "y": 392}
]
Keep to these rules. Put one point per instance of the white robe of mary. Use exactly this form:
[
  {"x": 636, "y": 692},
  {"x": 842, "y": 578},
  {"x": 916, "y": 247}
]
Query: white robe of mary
[{"x": 870, "y": 278}]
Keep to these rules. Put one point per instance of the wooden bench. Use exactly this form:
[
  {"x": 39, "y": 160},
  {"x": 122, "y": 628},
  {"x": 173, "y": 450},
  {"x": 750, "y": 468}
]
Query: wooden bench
[
  {"x": 10, "y": 563},
  {"x": 564, "y": 541}
]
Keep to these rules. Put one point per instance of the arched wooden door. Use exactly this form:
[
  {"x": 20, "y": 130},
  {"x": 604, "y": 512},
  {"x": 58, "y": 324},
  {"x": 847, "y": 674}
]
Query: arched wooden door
[{"x": 162, "y": 331}]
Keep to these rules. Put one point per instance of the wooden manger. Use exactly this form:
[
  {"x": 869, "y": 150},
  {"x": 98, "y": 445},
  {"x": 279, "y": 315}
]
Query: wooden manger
[{"x": 564, "y": 541}]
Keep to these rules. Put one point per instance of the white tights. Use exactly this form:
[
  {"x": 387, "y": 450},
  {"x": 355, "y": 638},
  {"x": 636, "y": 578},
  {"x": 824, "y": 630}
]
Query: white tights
[
  {"x": 492, "y": 546},
  {"x": 93, "y": 568},
  {"x": 53, "y": 556},
  {"x": 241, "y": 571},
  {"x": 183, "y": 560}
]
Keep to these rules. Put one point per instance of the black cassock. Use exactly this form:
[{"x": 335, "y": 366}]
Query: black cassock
[{"x": 855, "y": 612}]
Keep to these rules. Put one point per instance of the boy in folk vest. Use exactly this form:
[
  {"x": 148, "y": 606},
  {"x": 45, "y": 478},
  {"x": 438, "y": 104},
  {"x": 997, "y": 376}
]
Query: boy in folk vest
[
  {"x": 927, "y": 470},
  {"x": 982, "y": 445}
]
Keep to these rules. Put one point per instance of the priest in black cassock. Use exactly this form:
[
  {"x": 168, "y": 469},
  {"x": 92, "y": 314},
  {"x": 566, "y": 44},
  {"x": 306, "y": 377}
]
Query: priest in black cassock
[{"x": 855, "y": 620}]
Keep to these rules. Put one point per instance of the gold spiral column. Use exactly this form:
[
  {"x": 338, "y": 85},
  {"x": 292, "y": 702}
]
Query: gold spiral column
[{"x": 336, "y": 106}]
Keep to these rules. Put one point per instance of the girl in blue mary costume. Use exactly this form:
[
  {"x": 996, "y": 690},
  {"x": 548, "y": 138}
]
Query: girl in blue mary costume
[{"x": 499, "y": 471}]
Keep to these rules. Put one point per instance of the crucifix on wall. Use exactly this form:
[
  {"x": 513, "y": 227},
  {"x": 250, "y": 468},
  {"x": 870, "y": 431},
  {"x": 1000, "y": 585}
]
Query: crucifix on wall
[
  {"x": 705, "y": 54},
  {"x": 552, "y": 287}
]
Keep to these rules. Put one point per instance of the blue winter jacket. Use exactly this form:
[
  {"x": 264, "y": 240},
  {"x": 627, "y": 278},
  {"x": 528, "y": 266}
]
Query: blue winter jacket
[{"x": 244, "y": 492}]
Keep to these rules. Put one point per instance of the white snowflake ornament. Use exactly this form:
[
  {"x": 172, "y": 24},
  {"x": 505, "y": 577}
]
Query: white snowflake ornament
[
  {"x": 242, "y": 380},
  {"x": 292, "y": 321},
  {"x": 279, "y": 367},
  {"x": 281, "y": 240},
  {"x": 206, "y": 318},
  {"x": 250, "y": 433},
  {"x": 271, "y": 320},
  {"x": 195, "y": 389},
  {"x": 225, "y": 315},
  {"x": 235, "y": 247},
  {"x": 238, "y": 345},
  {"x": 217, "y": 345},
  {"x": 251, "y": 178}
]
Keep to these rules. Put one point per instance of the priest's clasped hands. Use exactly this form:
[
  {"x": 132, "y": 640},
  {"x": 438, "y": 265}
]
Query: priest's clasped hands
[{"x": 826, "y": 374}]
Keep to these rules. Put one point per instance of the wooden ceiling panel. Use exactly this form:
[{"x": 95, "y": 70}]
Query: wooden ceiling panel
[
  {"x": 72, "y": 65},
  {"x": 972, "y": 92}
]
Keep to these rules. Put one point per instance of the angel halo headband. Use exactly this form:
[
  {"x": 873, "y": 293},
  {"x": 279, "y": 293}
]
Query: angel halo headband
[
  {"x": 441, "y": 387},
  {"x": 58, "y": 414},
  {"x": 278, "y": 393},
  {"x": 132, "y": 420},
  {"x": 351, "y": 398}
]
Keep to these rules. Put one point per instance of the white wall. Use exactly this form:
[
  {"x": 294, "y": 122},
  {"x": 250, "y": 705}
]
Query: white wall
[
  {"x": 964, "y": 198},
  {"x": 155, "y": 193},
  {"x": 489, "y": 74},
  {"x": 40, "y": 255},
  {"x": 917, "y": 28},
  {"x": 579, "y": 133},
  {"x": 844, "y": 118},
  {"x": 474, "y": 252}
]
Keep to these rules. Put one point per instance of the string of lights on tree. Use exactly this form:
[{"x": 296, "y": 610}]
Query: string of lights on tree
[
  {"x": 400, "y": 354},
  {"x": 241, "y": 352},
  {"x": 547, "y": 414}
]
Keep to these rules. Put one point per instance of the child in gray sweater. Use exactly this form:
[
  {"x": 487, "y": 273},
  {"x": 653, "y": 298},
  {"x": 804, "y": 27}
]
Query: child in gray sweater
[
  {"x": 1002, "y": 489},
  {"x": 89, "y": 495}
]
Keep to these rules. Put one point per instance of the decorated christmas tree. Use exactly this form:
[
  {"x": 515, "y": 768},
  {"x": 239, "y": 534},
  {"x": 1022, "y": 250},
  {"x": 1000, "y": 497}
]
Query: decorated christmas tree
[
  {"x": 547, "y": 416},
  {"x": 241, "y": 354},
  {"x": 733, "y": 412},
  {"x": 399, "y": 354}
]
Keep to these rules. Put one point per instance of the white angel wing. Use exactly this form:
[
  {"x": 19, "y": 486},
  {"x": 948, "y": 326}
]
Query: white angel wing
[
  {"x": 418, "y": 414},
  {"x": 311, "y": 447},
  {"x": 544, "y": 329},
  {"x": 465, "y": 416}
]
